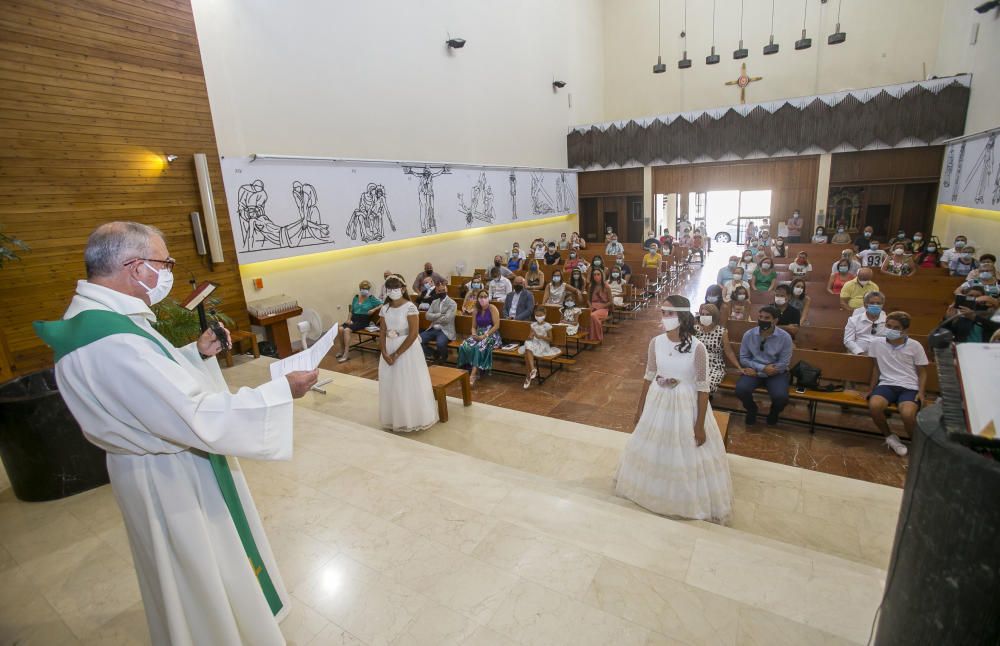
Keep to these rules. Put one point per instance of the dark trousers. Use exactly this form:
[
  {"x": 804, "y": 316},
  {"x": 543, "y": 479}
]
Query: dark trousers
[
  {"x": 777, "y": 388},
  {"x": 432, "y": 337}
]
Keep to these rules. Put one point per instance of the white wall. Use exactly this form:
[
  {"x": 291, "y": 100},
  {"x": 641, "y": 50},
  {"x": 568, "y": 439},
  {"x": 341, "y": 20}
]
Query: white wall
[
  {"x": 887, "y": 42},
  {"x": 957, "y": 54},
  {"x": 374, "y": 79}
]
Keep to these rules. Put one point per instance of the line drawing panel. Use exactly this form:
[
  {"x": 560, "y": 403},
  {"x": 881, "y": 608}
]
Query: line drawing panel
[
  {"x": 480, "y": 207},
  {"x": 541, "y": 201},
  {"x": 513, "y": 195},
  {"x": 425, "y": 194},
  {"x": 368, "y": 219}
]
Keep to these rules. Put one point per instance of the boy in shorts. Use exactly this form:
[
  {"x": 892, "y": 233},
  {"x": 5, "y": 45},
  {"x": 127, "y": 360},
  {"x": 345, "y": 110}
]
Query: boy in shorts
[{"x": 899, "y": 378}]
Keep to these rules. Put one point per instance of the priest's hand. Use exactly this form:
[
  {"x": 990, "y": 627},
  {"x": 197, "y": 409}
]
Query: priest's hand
[
  {"x": 301, "y": 381},
  {"x": 209, "y": 345}
]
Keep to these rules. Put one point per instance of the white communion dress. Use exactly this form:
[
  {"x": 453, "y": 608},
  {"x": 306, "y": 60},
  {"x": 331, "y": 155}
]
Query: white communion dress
[
  {"x": 662, "y": 468},
  {"x": 405, "y": 397}
]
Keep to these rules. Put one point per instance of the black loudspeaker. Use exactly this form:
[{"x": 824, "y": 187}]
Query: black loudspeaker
[{"x": 943, "y": 586}]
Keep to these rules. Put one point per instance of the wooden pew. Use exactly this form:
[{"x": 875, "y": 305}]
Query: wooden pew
[{"x": 809, "y": 337}]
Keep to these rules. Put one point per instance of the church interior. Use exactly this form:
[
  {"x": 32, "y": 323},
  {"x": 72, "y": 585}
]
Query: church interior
[{"x": 579, "y": 180}]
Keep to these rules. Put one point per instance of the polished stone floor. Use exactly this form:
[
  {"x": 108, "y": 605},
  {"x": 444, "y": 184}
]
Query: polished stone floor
[
  {"x": 496, "y": 528},
  {"x": 603, "y": 388}
]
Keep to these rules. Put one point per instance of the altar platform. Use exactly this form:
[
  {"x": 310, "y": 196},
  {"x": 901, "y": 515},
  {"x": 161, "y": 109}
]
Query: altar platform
[{"x": 498, "y": 527}]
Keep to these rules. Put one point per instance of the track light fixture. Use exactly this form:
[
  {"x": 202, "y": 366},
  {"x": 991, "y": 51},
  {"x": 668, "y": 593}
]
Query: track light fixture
[
  {"x": 804, "y": 43},
  {"x": 455, "y": 43},
  {"x": 659, "y": 68},
  {"x": 685, "y": 62},
  {"x": 712, "y": 58},
  {"x": 771, "y": 47},
  {"x": 988, "y": 6},
  {"x": 741, "y": 52},
  {"x": 558, "y": 85},
  {"x": 838, "y": 36}
]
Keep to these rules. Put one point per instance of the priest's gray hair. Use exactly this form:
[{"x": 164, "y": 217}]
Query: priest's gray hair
[{"x": 113, "y": 244}]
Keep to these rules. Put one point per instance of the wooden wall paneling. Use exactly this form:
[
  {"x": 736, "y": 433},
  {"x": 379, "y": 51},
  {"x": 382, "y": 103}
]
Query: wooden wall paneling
[
  {"x": 625, "y": 181},
  {"x": 902, "y": 165},
  {"x": 93, "y": 94}
]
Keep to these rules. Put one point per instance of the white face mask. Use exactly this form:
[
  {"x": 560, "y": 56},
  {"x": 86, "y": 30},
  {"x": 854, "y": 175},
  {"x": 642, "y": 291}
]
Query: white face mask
[
  {"x": 705, "y": 319},
  {"x": 394, "y": 294},
  {"x": 164, "y": 283},
  {"x": 540, "y": 319},
  {"x": 798, "y": 291},
  {"x": 670, "y": 324},
  {"x": 779, "y": 300},
  {"x": 897, "y": 252}
]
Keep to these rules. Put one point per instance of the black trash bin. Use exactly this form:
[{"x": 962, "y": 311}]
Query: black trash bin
[{"x": 41, "y": 445}]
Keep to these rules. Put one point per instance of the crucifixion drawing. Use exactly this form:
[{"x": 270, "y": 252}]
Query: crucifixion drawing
[{"x": 742, "y": 81}]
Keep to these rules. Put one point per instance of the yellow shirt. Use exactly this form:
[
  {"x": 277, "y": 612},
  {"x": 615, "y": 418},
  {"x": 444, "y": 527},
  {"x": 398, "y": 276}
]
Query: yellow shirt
[
  {"x": 855, "y": 293},
  {"x": 652, "y": 260}
]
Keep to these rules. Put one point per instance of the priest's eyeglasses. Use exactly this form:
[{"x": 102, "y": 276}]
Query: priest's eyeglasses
[{"x": 167, "y": 263}]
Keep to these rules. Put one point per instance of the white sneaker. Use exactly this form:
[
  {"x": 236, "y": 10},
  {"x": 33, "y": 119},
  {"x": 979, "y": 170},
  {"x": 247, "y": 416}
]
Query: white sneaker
[
  {"x": 896, "y": 445},
  {"x": 342, "y": 358}
]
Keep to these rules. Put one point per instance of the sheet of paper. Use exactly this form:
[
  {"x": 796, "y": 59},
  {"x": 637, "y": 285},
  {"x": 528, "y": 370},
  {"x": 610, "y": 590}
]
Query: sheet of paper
[{"x": 307, "y": 359}]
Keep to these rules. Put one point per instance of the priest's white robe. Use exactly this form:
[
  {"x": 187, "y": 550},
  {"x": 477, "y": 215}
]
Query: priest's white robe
[{"x": 156, "y": 418}]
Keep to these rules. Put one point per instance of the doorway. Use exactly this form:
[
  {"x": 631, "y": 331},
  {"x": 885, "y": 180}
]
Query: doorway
[{"x": 877, "y": 217}]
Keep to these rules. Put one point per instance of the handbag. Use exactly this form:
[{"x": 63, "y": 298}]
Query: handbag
[{"x": 806, "y": 375}]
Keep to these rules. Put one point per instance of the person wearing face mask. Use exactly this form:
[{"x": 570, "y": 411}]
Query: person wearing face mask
[
  {"x": 948, "y": 255},
  {"x": 556, "y": 290},
  {"x": 801, "y": 267},
  {"x": 901, "y": 237},
  {"x": 674, "y": 462},
  {"x": 653, "y": 258},
  {"x": 713, "y": 296},
  {"x": 751, "y": 231},
  {"x": 519, "y": 304},
  {"x": 898, "y": 263},
  {"x": 405, "y": 397},
  {"x": 381, "y": 290},
  {"x": 984, "y": 276},
  {"x": 469, "y": 300},
  {"x": 794, "y": 227},
  {"x": 764, "y": 355},
  {"x": 788, "y": 317},
  {"x": 726, "y": 273},
  {"x": 476, "y": 352},
  {"x": 737, "y": 281},
  {"x": 930, "y": 256},
  {"x": 363, "y": 305},
  {"x": 864, "y": 239},
  {"x": 539, "y": 344},
  {"x": 428, "y": 274},
  {"x": 666, "y": 244},
  {"x": 552, "y": 256},
  {"x": 867, "y": 324},
  {"x": 971, "y": 316},
  {"x": 166, "y": 419},
  {"x": 500, "y": 265},
  {"x": 842, "y": 274},
  {"x": 575, "y": 239},
  {"x": 569, "y": 315},
  {"x": 820, "y": 236},
  {"x": 577, "y": 281},
  {"x": 623, "y": 267},
  {"x": 852, "y": 294},
  {"x": 899, "y": 377},
  {"x": 963, "y": 263},
  {"x": 614, "y": 247},
  {"x": 441, "y": 316},
  {"x": 917, "y": 244},
  {"x": 800, "y": 300},
  {"x": 538, "y": 249},
  {"x": 650, "y": 240},
  {"x": 514, "y": 260},
  {"x": 738, "y": 308},
  {"x": 563, "y": 242},
  {"x": 697, "y": 247},
  {"x": 498, "y": 286},
  {"x": 600, "y": 304},
  {"x": 714, "y": 335},
  {"x": 841, "y": 236},
  {"x": 747, "y": 263},
  {"x": 575, "y": 261},
  {"x": 778, "y": 249},
  {"x": 764, "y": 278},
  {"x": 872, "y": 256},
  {"x": 534, "y": 278},
  {"x": 426, "y": 295},
  {"x": 847, "y": 255},
  {"x": 616, "y": 283}
]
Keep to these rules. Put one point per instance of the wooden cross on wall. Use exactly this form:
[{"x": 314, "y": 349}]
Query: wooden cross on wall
[{"x": 743, "y": 81}]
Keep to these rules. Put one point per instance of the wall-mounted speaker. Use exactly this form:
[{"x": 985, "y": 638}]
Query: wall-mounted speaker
[
  {"x": 199, "y": 235},
  {"x": 208, "y": 207}
]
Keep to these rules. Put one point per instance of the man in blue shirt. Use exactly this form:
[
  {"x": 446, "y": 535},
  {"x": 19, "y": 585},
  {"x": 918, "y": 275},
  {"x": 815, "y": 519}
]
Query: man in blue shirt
[
  {"x": 726, "y": 273},
  {"x": 765, "y": 353}
]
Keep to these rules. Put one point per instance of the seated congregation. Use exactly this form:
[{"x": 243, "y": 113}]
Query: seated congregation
[{"x": 852, "y": 336}]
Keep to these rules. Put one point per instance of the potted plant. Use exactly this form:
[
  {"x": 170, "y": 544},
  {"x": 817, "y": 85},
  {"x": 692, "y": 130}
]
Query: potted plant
[{"x": 180, "y": 325}]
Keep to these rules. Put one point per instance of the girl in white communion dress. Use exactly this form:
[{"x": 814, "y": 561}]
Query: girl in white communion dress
[{"x": 675, "y": 462}]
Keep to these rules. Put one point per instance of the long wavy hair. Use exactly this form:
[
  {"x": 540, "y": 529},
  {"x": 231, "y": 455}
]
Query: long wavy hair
[{"x": 687, "y": 322}]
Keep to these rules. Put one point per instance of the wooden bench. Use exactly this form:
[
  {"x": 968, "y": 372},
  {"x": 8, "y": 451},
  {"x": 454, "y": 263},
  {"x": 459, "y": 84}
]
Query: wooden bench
[
  {"x": 238, "y": 337},
  {"x": 519, "y": 331},
  {"x": 810, "y": 337},
  {"x": 838, "y": 368},
  {"x": 441, "y": 378}
]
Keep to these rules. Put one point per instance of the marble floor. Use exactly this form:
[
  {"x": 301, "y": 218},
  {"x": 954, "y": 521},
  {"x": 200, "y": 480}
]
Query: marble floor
[
  {"x": 384, "y": 539},
  {"x": 602, "y": 390}
]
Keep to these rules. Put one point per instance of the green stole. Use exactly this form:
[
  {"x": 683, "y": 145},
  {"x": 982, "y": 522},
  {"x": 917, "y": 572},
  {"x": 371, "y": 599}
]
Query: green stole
[{"x": 93, "y": 325}]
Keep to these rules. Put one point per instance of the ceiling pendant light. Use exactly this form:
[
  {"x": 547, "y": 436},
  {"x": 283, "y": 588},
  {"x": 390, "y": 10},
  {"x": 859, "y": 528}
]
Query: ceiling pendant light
[
  {"x": 804, "y": 43},
  {"x": 685, "y": 62},
  {"x": 838, "y": 36},
  {"x": 742, "y": 51},
  {"x": 659, "y": 68},
  {"x": 712, "y": 58},
  {"x": 771, "y": 47}
]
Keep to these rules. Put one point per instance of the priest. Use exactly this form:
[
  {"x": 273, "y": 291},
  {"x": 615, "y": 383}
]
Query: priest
[{"x": 167, "y": 420}]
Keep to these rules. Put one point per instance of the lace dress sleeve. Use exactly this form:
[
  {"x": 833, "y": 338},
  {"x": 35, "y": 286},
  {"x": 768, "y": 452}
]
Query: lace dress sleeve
[
  {"x": 701, "y": 382},
  {"x": 651, "y": 360}
]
